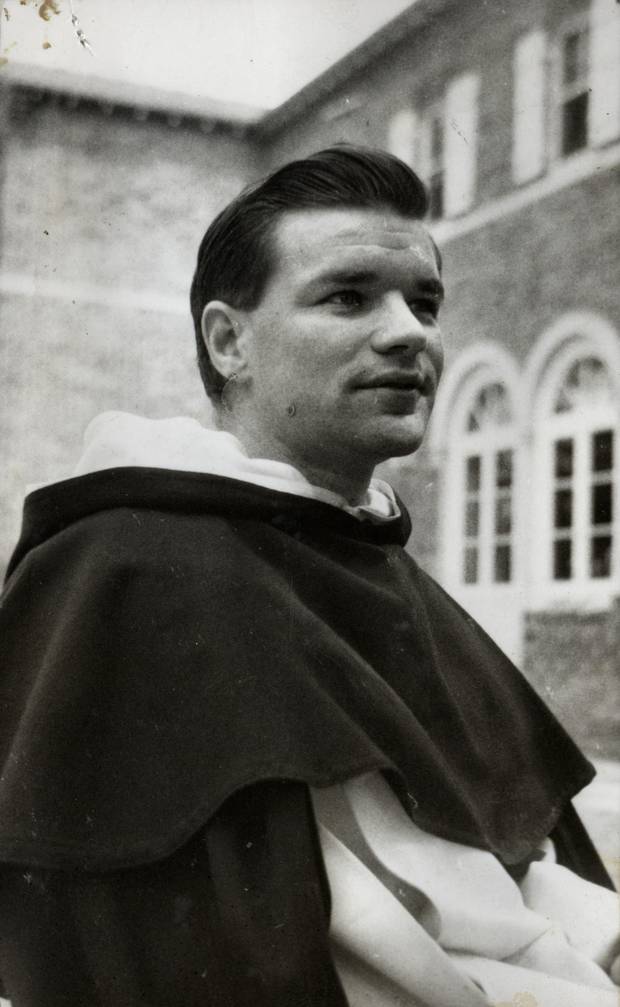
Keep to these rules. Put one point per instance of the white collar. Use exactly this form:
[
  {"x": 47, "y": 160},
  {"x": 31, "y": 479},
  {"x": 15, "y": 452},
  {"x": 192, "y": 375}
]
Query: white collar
[{"x": 116, "y": 439}]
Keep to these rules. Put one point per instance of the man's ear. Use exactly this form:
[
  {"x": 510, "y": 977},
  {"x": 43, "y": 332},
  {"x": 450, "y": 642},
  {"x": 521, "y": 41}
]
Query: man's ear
[{"x": 223, "y": 332}]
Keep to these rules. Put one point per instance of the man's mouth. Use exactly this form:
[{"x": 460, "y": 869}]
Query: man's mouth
[{"x": 400, "y": 381}]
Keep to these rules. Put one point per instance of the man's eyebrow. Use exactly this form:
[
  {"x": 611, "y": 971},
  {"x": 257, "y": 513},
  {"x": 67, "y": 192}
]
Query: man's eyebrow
[
  {"x": 345, "y": 276},
  {"x": 429, "y": 285}
]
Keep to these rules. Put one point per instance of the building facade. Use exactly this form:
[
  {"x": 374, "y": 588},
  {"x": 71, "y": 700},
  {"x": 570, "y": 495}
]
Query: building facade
[
  {"x": 511, "y": 114},
  {"x": 104, "y": 201}
]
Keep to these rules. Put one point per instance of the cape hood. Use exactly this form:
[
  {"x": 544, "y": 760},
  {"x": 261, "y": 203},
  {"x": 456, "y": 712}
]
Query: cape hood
[
  {"x": 170, "y": 637},
  {"x": 117, "y": 439}
]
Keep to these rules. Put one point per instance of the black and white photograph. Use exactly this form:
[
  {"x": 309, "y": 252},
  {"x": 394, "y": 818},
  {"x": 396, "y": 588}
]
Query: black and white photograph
[{"x": 309, "y": 509}]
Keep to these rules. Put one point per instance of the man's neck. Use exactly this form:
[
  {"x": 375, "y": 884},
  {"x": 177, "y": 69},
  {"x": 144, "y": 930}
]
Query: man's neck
[{"x": 347, "y": 480}]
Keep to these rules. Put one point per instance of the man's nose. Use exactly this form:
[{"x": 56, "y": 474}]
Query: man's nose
[{"x": 398, "y": 328}]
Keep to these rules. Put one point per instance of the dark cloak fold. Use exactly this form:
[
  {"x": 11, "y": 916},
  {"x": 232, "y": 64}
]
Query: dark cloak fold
[{"x": 168, "y": 638}]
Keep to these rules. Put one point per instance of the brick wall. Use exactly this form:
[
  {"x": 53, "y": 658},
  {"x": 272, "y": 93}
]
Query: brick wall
[
  {"x": 102, "y": 216},
  {"x": 573, "y": 660},
  {"x": 509, "y": 280}
]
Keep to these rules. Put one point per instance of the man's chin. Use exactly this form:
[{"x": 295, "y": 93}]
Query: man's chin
[
  {"x": 400, "y": 450},
  {"x": 398, "y": 441}
]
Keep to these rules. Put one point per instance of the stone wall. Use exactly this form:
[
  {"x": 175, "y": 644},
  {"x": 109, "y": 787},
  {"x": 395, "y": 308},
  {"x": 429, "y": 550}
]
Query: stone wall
[
  {"x": 509, "y": 280},
  {"x": 573, "y": 660},
  {"x": 102, "y": 214}
]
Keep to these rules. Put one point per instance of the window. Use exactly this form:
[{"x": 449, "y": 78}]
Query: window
[
  {"x": 577, "y": 478},
  {"x": 473, "y": 437},
  {"x": 597, "y": 463},
  {"x": 600, "y": 528},
  {"x": 528, "y": 106},
  {"x": 582, "y": 461},
  {"x": 569, "y": 526},
  {"x": 435, "y": 160},
  {"x": 530, "y": 476},
  {"x": 487, "y": 490},
  {"x": 402, "y": 140},
  {"x": 563, "y": 508},
  {"x": 566, "y": 89},
  {"x": 449, "y": 148},
  {"x": 574, "y": 89}
]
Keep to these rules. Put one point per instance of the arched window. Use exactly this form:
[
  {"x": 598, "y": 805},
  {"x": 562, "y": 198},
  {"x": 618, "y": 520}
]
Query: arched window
[
  {"x": 572, "y": 395},
  {"x": 577, "y": 469},
  {"x": 583, "y": 475},
  {"x": 474, "y": 441},
  {"x": 487, "y": 488}
]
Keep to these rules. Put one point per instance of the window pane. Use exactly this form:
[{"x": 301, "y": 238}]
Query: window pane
[
  {"x": 503, "y": 516},
  {"x": 435, "y": 195},
  {"x": 472, "y": 518},
  {"x": 473, "y": 474},
  {"x": 575, "y": 123},
  {"x": 437, "y": 140},
  {"x": 562, "y": 559},
  {"x": 563, "y": 510},
  {"x": 503, "y": 469},
  {"x": 574, "y": 57},
  {"x": 563, "y": 459},
  {"x": 470, "y": 567},
  {"x": 491, "y": 408},
  {"x": 602, "y": 451},
  {"x": 502, "y": 564},
  {"x": 600, "y": 556},
  {"x": 601, "y": 504},
  {"x": 586, "y": 384}
]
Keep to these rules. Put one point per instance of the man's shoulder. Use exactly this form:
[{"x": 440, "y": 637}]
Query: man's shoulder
[{"x": 127, "y": 516}]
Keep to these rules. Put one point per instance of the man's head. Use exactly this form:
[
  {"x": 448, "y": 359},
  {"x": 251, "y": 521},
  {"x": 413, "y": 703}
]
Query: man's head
[
  {"x": 237, "y": 254},
  {"x": 315, "y": 303}
]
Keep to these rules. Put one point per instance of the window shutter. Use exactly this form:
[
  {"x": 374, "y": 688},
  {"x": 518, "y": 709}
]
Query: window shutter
[
  {"x": 461, "y": 143},
  {"x": 403, "y": 136},
  {"x": 604, "y": 118},
  {"x": 528, "y": 136}
]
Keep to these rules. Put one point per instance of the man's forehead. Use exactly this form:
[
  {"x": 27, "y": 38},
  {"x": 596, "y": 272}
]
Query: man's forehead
[{"x": 331, "y": 234}]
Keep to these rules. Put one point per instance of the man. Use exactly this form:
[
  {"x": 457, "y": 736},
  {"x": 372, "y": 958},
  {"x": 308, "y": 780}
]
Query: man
[{"x": 253, "y": 754}]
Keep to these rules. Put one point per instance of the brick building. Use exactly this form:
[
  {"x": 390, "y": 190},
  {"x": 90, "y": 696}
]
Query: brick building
[{"x": 511, "y": 113}]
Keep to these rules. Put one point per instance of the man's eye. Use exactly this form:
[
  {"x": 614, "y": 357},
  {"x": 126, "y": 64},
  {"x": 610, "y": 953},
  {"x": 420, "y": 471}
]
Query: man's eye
[
  {"x": 345, "y": 298},
  {"x": 424, "y": 307}
]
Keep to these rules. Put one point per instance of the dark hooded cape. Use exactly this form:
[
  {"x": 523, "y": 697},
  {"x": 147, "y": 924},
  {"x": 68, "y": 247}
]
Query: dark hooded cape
[{"x": 169, "y": 638}]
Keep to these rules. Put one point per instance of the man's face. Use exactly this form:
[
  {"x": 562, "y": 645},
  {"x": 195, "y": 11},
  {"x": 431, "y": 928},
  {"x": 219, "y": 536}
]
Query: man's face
[{"x": 346, "y": 339}]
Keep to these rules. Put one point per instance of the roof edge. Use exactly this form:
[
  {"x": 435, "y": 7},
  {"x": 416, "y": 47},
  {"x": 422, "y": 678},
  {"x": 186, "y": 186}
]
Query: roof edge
[
  {"x": 259, "y": 122},
  {"x": 371, "y": 49},
  {"x": 138, "y": 96}
]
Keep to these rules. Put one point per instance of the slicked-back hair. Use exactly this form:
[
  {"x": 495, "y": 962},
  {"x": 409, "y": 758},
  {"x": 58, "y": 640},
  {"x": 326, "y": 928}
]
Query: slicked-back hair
[{"x": 237, "y": 254}]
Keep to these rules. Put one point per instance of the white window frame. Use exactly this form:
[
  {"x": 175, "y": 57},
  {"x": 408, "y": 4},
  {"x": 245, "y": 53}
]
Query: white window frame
[
  {"x": 402, "y": 136},
  {"x": 529, "y": 106},
  {"x": 457, "y": 110},
  {"x": 485, "y": 444},
  {"x": 580, "y": 592},
  {"x": 462, "y": 104},
  {"x": 497, "y": 606},
  {"x": 433, "y": 113},
  {"x": 604, "y": 120}
]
